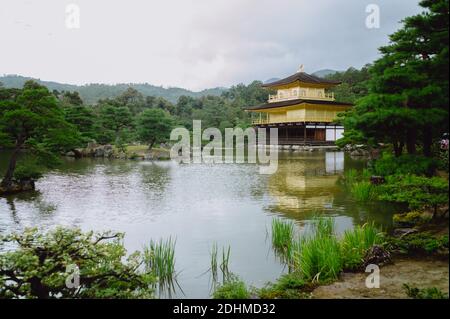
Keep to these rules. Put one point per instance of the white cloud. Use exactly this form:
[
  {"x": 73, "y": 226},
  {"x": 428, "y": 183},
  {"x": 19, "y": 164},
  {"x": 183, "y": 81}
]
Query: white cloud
[{"x": 190, "y": 43}]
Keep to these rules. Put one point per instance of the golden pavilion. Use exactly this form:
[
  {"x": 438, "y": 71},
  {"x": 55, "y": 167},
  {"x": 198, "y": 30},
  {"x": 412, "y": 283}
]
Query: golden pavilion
[{"x": 303, "y": 109}]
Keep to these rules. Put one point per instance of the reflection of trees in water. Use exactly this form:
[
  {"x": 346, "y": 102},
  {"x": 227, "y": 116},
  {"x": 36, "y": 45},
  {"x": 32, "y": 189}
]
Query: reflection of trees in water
[
  {"x": 34, "y": 199},
  {"x": 155, "y": 176}
]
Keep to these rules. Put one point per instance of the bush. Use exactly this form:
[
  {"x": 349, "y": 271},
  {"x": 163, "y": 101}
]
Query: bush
[
  {"x": 38, "y": 267},
  {"x": 232, "y": 289},
  {"x": 416, "y": 191},
  {"x": 423, "y": 243},
  {"x": 288, "y": 286},
  {"x": 410, "y": 219},
  {"x": 427, "y": 293},
  {"x": 388, "y": 164}
]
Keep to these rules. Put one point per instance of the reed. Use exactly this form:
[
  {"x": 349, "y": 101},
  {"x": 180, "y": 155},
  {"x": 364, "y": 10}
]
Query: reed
[
  {"x": 364, "y": 191},
  {"x": 318, "y": 257},
  {"x": 282, "y": 238},
  {"x": 159, "y": 258},
  {"x": 356, "y": 242},
  {"x": 223, "y": 266}
]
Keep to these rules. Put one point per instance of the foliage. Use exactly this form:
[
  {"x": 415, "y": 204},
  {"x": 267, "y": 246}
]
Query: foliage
[
  {"x": 353, "y": 84},
  {"x": 234, "y": 288},
  {"x": 31, "y": 117},
  {"x": 423, "y": 243},
  {"x": 416, "y": 191},
  {"x": 356, "y": 243},
  {"x": 28, "y": 171},
  {"x": 426, "y": 293},
  {"x": 154, "y": 126},
  {"x": 38, "y": 268},
  {"x": 404, "y": 164},
  {"x": 410, "y": 219}
]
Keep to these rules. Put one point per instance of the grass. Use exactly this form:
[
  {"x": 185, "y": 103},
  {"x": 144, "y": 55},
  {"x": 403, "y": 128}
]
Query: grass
[
  {"x": 282, "y": 238},
  {"x": 318, "y": 257},
  {"x": 233, "y": 288},
  {"x": 159, "y": 260},
  {"x": 321, "y": 256},
  {"x": 356, "y": 242},
  {"x": 364, "y": 191}
]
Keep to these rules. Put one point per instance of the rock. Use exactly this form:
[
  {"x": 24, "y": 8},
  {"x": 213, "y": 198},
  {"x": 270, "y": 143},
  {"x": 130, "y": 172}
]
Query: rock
[
  {"x": 99, "y": 152},
  {"x": 377, "y": 255},
  {"x": 402, "y": 232},
  {"x": 18, "y": 187},
  {"x": 70, "y": 154},
  {"x": 108, "y": 151},
  {"x": 377, "y": 180}
]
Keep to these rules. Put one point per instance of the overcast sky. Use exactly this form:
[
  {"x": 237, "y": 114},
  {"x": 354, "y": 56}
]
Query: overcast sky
[{"x": 194, "y": 44}]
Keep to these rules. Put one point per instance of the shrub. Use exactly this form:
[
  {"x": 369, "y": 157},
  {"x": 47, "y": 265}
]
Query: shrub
[
  {"x": 404, "y": 164},
  {"x": 416, "y": 191},
  {"x": 234, "y": 288},
  {"x": 410, "y": 219},
  {"x": 288, "y": 286},
  {"x": 427, "y": 293},
  {"x": 424, "y": 243},
  {"x": 38, "y": 267}
]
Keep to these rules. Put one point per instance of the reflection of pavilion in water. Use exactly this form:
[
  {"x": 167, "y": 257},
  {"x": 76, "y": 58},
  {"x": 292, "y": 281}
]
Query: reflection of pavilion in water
[{"x": 307, "y": 183}]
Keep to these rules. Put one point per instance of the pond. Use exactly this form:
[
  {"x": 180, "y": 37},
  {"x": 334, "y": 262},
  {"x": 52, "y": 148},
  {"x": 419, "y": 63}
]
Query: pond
[{"x": 197, "y": 204}]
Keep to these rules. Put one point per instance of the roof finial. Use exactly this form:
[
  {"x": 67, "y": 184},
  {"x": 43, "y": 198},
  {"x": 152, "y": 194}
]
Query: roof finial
[{"x": 301, "y": 69}]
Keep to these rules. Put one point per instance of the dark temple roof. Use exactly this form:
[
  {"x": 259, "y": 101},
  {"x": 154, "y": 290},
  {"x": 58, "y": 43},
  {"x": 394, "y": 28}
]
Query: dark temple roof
[
  {"x": 302, "y": 77},
  {"x": 295, "y": 102}
]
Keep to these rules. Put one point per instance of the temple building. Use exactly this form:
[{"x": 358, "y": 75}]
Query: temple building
[{"x": 303, "y": 109}]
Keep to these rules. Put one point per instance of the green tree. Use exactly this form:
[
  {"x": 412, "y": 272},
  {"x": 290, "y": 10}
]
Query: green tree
[
  {"x": 31, "y": 118},
  {"x": 407, "y": 104},
  {"x": 39, "y": 267},
  {"x": 154, "y": 126}
]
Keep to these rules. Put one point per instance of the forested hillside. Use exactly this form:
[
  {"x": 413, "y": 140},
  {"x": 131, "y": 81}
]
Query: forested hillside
[{"x": 91, "y": 93}]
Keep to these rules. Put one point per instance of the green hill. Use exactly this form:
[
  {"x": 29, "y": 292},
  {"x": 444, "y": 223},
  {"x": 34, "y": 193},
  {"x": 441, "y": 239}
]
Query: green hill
[{"x": 91, "y": 93}]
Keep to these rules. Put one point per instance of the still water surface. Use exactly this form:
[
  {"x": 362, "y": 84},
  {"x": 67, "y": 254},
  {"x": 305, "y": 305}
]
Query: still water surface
[{"x": 198, "y": 204}]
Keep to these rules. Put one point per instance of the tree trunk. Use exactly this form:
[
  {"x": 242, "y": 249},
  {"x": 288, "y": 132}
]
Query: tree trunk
[
  {"x": 427, "y": 140},
  {"x": 398, "y": 148},
  {"x": 8, "y": 177},
  {"x": 151, "y": 145},
  {"x": 411, "y": 140}
]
